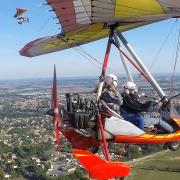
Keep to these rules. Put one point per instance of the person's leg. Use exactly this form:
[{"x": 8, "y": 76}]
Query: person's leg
[
  {"x": 151, "y": 122},
  {"x": 166, "y": 126},
  {"x": 161, "y": 123},
  {"x": 140, "y": 120},
  {"x": 135, "y": 119}
]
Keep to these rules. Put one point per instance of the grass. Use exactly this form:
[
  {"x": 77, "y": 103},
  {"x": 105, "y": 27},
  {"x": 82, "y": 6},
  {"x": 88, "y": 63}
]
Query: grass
[
  {"x": 153, "y": 175},
  {"x": 162, "y": 166}
]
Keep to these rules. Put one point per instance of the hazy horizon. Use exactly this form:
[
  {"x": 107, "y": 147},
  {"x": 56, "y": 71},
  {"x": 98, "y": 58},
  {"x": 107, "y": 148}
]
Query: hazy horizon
[{"x": 85, "y": 77}]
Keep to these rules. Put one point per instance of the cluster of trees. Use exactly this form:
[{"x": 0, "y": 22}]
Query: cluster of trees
[
  {"x": 10, "y": 112},
  {"x": 134, "y": 151},
  {"x": 41, "y": 150},
  {"x": 4, "y": 148},
  {"x": 25, "y": 165},
  {"x": 79, "y": 174}
]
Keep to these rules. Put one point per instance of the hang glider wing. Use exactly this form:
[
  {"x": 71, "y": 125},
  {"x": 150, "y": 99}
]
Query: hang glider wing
[
  {"x": 84, "y": 21},
  {"x": 19, "y": 12}
]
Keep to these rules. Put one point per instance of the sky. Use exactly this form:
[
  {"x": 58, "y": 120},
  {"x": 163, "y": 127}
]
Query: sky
[{"x": 147, "y": 42}]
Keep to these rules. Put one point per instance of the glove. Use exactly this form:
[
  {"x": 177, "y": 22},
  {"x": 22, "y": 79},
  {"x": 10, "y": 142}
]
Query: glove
[
  {"x": 117, "y": 93},
  {"x": 152, "y": 103},
  {"x": 142, "y": 95}
]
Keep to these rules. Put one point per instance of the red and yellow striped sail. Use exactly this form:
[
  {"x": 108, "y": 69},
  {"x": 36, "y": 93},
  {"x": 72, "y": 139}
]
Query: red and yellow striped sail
[{"x": 84, "y": 21}]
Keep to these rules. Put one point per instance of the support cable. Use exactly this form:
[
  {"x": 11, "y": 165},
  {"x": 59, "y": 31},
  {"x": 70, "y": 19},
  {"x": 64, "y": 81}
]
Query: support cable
[
  {"x": 175, "y": 64},
  {"x": 164, "y": 43}
]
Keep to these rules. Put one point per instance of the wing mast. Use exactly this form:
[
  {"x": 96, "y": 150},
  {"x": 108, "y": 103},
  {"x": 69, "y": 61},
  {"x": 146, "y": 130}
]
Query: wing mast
[
  {"x": 143, "y": 67},
  {"x": 129, "y": 75}
]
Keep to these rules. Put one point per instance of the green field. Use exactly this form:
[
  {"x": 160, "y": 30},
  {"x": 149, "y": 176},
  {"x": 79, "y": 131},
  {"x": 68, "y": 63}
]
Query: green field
[{"x": 161, "y": 166}]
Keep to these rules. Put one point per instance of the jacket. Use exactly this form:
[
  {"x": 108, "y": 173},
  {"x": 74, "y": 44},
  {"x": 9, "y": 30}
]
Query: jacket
[
  {"x": 132, "y": 105},
  {"x": 112, "y": 99}
]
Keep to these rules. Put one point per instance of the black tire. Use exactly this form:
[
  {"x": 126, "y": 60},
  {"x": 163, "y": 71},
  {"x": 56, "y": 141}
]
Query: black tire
[
  {"x": 165, "y": 146},
  {"x": 174, "y": 146}
]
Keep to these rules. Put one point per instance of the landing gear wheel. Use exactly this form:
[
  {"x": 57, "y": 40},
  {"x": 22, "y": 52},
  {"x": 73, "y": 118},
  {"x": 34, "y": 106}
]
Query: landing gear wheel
[
  {"x": 165, "y": 146},
  {"x": 174, "y": 146}
]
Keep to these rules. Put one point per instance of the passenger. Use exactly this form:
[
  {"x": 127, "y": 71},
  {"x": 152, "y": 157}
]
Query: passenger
[
  {"x": 132, "y": 107},
  {"x": 112, "y": 100},
  {"x": 110, "y": 95}
]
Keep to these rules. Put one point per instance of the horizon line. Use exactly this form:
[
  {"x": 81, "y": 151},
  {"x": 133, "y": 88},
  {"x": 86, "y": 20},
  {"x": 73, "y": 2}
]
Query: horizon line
[{"x": 82, "y": 76}]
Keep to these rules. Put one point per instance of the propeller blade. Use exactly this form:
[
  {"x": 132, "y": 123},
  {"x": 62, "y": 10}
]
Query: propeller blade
[
  {"x": 55, "y": 108},
  {"x": 56, "y": 129},
  {"x": 54, "y": 90}
]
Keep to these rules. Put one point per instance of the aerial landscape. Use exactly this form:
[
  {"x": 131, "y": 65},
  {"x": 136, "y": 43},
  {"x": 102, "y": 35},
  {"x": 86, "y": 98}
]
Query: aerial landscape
[
  {"x": 90, "y": 89},
  {"x": 27, "y": 138}
]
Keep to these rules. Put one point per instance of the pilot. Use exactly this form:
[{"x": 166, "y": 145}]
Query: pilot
[
  {"x": 110, "y": 95},
  {"x": 132, "y": 107}
]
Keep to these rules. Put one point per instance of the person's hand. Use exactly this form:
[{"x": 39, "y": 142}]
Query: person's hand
[
  {"x": 154, "y": 102},
  {"x": 142, "y": 95},
  {"x": 117, "y": 93}
]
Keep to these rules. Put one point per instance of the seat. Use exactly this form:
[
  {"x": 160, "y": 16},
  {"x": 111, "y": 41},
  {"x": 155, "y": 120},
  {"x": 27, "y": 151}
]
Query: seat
[{"x": 117, "y": 125}]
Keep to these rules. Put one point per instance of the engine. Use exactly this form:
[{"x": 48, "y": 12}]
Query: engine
[{"x": 81, "y": 112}]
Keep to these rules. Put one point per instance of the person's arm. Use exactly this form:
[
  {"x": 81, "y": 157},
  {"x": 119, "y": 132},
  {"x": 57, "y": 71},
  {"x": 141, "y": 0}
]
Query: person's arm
[
  {"x": 116, "y": 98},
  {"x": 110, "y": 97},
  {"x": 135, "y": 104}
]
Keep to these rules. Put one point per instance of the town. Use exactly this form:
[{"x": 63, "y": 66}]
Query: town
[{"x": 27, "y": 143}]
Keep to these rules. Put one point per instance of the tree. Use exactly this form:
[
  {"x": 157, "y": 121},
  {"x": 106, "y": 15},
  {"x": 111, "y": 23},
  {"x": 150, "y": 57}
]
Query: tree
[
  {"x": 4, "y": 148},
  {"x": 1, "y": 174}
]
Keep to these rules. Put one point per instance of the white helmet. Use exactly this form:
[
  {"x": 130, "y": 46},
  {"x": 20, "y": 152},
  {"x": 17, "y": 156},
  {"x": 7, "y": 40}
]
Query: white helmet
[
  {"x": 111, "y": 79},
  {"x": 130, "y": 86}
]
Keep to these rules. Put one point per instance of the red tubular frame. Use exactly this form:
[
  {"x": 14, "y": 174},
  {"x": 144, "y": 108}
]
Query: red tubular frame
[
  {"x": 102, "y": 77},
  {"x": 106, "y": 58},
  {"x": 121, "y": 153},
  {"x": 103, "y": 138}
]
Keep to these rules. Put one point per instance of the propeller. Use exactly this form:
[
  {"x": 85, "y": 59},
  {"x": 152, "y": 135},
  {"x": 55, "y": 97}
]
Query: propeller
[{"x": 54, "y": 112}]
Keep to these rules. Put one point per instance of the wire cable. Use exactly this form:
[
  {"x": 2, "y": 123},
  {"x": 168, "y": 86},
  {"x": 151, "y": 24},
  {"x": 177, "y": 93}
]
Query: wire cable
[
  {"x": 164, "y": 43},
  {"x": 175, "y": 64}
]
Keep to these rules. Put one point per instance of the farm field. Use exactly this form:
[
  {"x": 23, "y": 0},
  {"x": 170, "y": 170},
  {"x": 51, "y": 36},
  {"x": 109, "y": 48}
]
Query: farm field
[{"x": 160, "y": 166}]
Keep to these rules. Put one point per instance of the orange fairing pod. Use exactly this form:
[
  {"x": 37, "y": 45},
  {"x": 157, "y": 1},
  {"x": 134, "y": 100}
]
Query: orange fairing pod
[{"x": 99, "y": 168}]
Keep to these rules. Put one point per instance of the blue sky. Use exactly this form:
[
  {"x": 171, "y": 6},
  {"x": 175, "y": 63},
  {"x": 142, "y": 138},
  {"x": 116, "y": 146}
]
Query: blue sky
[{"x": 146, "y": 41}]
